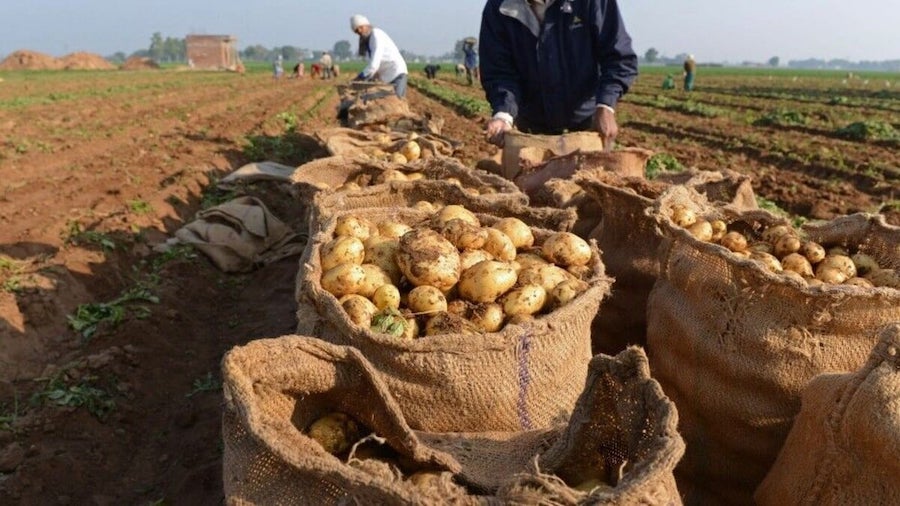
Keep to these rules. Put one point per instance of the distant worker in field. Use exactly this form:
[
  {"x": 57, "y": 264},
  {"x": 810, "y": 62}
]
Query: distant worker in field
[
  {"x": 298, "y": 70},
  {"x": 690, "y": 68},
  {"x": 327, "y": 65},
  {"x": 431, "y": 70},
  {"x": 669, "y": 82},
  {"x": 554, "y": 66},
  {"x": 385, "y": 60},
  {"x": 278, "y": 67},
  {"x": 470, "y": 60}
]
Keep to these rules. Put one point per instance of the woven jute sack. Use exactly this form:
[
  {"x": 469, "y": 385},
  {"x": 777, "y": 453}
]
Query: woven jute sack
[
  {"x": 843, "y": 447},
  {"x": 275, "y": 388},
  {"x": 525, "y": 376},
  {"x": 533, "y": 149},
  {"x": 734, "y": 344},
  {"x": 629, "y": 239},
  {"x": 374, "y": 104},
  {"x": 623, "y": 430},
  {"x": 372, "y": 145}
]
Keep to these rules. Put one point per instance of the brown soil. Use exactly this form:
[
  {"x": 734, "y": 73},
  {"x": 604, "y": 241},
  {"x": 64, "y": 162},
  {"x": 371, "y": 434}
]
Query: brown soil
[
  {"x": 73, "y": 168},
  {"x": 139, "y": 63},
  {"x": 29, "y": 60},
  {"x": 85, "y": 61}
]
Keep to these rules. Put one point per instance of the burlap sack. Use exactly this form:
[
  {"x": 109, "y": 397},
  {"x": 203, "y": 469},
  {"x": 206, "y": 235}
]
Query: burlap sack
[
  {"x": 623, "y": 429},
  {"x": 376, "y": 103},
  {"x": 733, "y": 344},
  {"x": 629, "y": 240},
  {"x": 532, "y": 149},
  {"x": 843, "y": 447},
  {"x": 524, "y": 377},
  {"x": 275, "y": 388},
  {"x": 353, "y": 143}
]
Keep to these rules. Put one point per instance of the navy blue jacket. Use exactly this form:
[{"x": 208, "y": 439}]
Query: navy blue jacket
[{"x": 554, "y": 80}]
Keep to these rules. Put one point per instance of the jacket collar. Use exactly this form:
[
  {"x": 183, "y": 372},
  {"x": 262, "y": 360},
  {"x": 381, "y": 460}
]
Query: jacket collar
[{"x": 521, "y": 11}]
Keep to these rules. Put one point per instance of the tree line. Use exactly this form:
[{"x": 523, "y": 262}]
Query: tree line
[{"x": 174, "y": 50}]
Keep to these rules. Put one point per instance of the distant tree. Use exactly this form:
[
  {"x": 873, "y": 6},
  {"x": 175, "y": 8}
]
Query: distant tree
[
  {"x": 157, "y": 46},
  {"x": 290, "y": 53},
  {"x": 342, "y": 50},
  {"x": 773, "y": 61},
  {"x": 117, "y": 57},
  {"x": 255, "y": 53},
  {"x": 174, "y": 49},
  {"x": 651, "y": 55}
]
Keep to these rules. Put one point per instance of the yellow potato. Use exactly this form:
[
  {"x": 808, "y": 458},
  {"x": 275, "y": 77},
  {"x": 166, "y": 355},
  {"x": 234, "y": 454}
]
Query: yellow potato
[
  {"x": 860, "y": 282},
  {"x": 464, "y": 235},
  {"x": 565, "y": 249},
  {"x": 734, "y": 241},
  {"x": 446, "y": 323},
  {"x": 813, "y": 251},
  {"x": 795, "y": 262},
  {"x": 424, "y": 206},
  {"x": 682, "y": 216},
  {"x": 842, "y": 263},
  {"x": 374, "y": 279},
  {"x": 470, "y": 257},
  {"x": 383, "y": 253},
  {"x": 499, "y": 245},
  {"x": 390, "y": 174},
  {"x": 453, "y": 211},
  {"x": 411, "y": 150},
  {"x": 524, "y": 300},
  {"x": 343, "y": 249},
  {"x": 426, "y": 299},
  {"x": 335, "y": 431},
  {"x": 426, "y": 258},
  {"x": 702, "y": 230},
  {"x": 489, "y": 317},
  {"x": 830, "y": 275},
  {"x": 518, "y": 232},
  {"x": 344, "y": 279},
  {"x": 386, "y": 296},
  {"x": 719, "y": 229},
  {"x": 486, "y": 281},
  {"x": 772, "y": 234},
  {"x": 769, "y": 261},
  {"x": 399, "y": 158},
  {"x": 786, "y": 244},
  {"x": 525, "y": 260},
  {"x": 392, "y": 229},
  {"x": 565, "y": 292},
  {"x": 359, "y": 309},
  {"x": 353, "y": 226},
  {"x": 864, "y": 263}
]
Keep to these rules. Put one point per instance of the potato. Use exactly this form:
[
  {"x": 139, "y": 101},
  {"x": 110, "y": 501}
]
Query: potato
[
  {"x": 769, "y": 261},
  {"x": 702, "y": 230},
  {"x": 414, "y": 176},
  {"x": 518, "y": 232},
  {"x": 426, "y": 258},
  {"x": 860, "y": 282},
  {"x": 451, "y": 212},
  {"x": 424, "y": 206},
  {"x": 389, "y": 175},
  {"x": 813, "y": 251},
  {"x": 591, "y": 484},
  {"x": 411, "y": 150},
  {"x": 468, "y": 258},
  {"x": 359, "y": 309},
  {"x": 837, "y": 250},
  {"x": 864, "y": 263},
  {"x": 464, "y": 235},
  {"x": 392, "y": 229},
  {"x": 382, "y": 252},
  {"x": 343, "y": 279},
  {"x": 386, "y": 296},
  {"x": 486, "y": 281},
  {"x": 763, "y": 247},
  {"x": 842, "y": 263},
  {"x": 353, "y": 226},
  {"x": 426, "y": 299},
  {"x": 548, "y": 276},
  {"x": 786, "y": 244},
  {"x": 734, "y": 241},
  {"x": 682, "y": 216},
  {"x": 582, "y": 272},
  {"x": 375, "y": 278},
  {"x": 489, "y": 317},
  {"x": 830, "y": 275},
  {"x": 349, "y": 186},
  {"x": 499, "y": 245},
  {"x": 458, "y": 307},
  {"x": 719, "y": 229},
  {"x": 565, "y": 249},
  {"x": 525, "y": 260},
  {"x": 565, "y": 292},
  {"x": 795, "y": 262},
  {"x": 343, "y": 249},
  {"x": 794, "y": 275},
  {"x": 526, "y": 299},
  {"x": 427, "y": 479},
  {"x": 400, "y": 159},
  {"x": 335, "y": 431},
  {"x": 772, "y": 234}
]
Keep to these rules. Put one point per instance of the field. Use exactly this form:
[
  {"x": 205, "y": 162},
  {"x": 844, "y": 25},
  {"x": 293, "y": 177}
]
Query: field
[{"x": 109, "y": 385}]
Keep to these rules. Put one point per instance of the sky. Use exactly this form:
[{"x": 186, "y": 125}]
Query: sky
[{"x": 723, "y": 31}]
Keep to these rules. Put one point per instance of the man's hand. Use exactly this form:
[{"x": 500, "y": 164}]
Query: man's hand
[
  {"x": 495, "y": 130},
  {"x": 605, "y": 123}
]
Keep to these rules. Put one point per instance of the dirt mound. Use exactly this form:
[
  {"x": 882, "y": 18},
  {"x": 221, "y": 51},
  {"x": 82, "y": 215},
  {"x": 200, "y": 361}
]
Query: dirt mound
[
  {"x": 139, "y": 63},
  {"x": 30, "y": 60},
  {"x": 85, "y": 61}
]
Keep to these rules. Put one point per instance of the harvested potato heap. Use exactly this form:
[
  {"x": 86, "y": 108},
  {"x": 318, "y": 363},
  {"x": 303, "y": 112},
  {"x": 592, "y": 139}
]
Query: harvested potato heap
[
  {"x": 744, "y": 315},
  {"x": 382, "y": 145},
  {"x": 449, "y": 274},
  {"x": 313, "y": 423},
  {"x": 847, "y": 433},
  {"x": 629, "y": 239},
  {"x": 454, "y": 305}
]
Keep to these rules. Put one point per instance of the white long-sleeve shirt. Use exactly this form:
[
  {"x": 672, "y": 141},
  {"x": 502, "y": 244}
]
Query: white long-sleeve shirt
[{"x": 384, "y": 57}]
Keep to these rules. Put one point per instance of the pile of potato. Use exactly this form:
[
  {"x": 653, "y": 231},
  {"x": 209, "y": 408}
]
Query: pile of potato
[
  {"x": 782, "y": 249},
  {"x": 397, "y": 151},
  {"x": 449, "y": 274}
]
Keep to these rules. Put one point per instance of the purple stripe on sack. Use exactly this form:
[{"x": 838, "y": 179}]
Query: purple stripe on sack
[{"x": 524, "y": 380}]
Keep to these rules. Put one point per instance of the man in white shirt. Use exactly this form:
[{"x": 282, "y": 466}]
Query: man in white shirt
[{"x": 385, "y": 61}]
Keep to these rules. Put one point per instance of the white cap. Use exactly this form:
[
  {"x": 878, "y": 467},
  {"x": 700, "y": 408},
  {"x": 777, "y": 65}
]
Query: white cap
[{"x": 358, "y": 20}]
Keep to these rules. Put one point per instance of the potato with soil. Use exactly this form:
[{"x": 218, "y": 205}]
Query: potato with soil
[
  {"x": 486, "y": 281},
  {"x": 342, "y": 249},
  {"x": 335, "y": 431},
  {"x": 566, "y": 249},
  {"x": 426, "y": 258}
]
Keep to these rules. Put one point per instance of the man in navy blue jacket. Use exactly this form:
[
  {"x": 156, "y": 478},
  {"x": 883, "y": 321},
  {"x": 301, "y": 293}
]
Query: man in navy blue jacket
[{"x": 550, "y": 66}]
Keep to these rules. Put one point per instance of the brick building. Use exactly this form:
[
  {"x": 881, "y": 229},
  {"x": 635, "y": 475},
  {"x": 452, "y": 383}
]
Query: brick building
[{"x": 212, "y": 52}]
